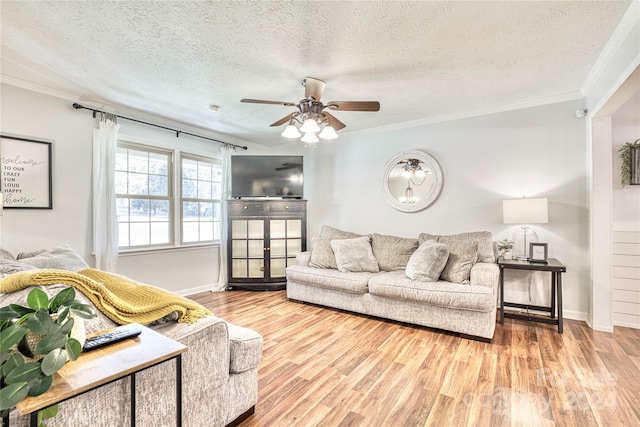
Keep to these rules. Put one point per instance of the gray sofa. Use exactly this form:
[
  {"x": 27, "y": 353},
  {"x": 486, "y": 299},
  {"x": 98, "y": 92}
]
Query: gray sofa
[
  {"x": 219, "y": 369},
  {"x": 467, "y": 307}
]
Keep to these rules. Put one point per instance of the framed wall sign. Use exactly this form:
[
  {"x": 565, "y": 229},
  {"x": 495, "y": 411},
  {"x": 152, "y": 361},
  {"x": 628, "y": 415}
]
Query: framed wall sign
[
  {"x": 538, "y": 253},
  {"x": 26, "y": 173}
]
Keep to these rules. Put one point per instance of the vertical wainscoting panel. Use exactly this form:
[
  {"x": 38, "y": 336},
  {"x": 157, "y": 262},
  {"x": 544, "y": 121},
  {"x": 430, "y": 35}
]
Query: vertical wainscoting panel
[{"x": 626, "y": 275}]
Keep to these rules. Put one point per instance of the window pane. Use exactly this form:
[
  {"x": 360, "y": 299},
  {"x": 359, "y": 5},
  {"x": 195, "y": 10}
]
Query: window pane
[
  {"x": 139, "y": 210},
  {"x": 121, "y": 159},
  {"x": 158, "y": 185},
  {"x": 158, "y": 164},
  {"x": 138, "y": 161},
  {"x": 159, "y": 210},
  {"x": 159, "y": 233},
  {"x": 189, "y": 189},
  {"x": 140, "y": 233},
  {"x": 138, "y": 183},
  {"x": 189, "y": 231},
  {"x": 204, "y": 171},
  {"x": 189, "y": 168},
  {"x": 206, "y": 211},
  {"x": 123, "y": 234},
  {"x": 216, "y": 230},
  {"x": 217, "y": 174},
  {"x": 204, "y": 190},
  {"x": 190, "y": 211},
  {"x": 122, "y": 208},
  {"x": 206, "y": 231},
  {"x": 216, "y": 191},
  {"x": 216, "y": 211}
]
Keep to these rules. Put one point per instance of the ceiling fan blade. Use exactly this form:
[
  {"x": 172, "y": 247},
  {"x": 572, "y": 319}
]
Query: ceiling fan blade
[
  {"x": 285, "y": 119},
  {"x": 337, "y": 124},
  {"x": 354, "y": 105},
  {"x": 313, "y": 88},
  {"x": 260, "y": 101}
]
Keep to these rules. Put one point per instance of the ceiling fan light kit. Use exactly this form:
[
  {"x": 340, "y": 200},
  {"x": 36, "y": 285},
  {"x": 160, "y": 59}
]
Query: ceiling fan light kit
[{"x": 311, "y": 114}]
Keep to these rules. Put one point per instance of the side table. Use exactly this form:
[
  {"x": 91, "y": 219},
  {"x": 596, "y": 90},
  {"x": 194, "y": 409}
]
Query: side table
[
  {"x": 556, "y": 268},
  {"x": 108, "y": 364}
]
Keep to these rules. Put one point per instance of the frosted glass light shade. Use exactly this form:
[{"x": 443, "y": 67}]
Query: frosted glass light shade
[
  {"x": 328, "y": 133},
  {"x": 310, "y": 126},
  {"x": 525, "y": 211},
  {"x": 291, "y": 132},
  {"x": 310, "y": 138}
]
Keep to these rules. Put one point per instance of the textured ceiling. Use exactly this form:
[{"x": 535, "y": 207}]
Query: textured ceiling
[{"x": 419, "y": 59}]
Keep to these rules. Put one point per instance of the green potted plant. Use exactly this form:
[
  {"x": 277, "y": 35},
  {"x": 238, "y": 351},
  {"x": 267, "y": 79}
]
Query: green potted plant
[
  {"x": 626, "y": 166},
  {"x": 506, "y": 245},
  {"x": 35, "y": 342}
]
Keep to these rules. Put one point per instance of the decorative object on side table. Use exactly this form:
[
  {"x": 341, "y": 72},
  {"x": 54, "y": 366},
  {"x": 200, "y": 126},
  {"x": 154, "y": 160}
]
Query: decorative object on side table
[
  {"x": 35, "y": 342},
  {"x": 524, "y": 211},
  {"x": 506, "y": 245},
  {"x": 538, "y": 253},
  {"x": 630, "y": 167}
]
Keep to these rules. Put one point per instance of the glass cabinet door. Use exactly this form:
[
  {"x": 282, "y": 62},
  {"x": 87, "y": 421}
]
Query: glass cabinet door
[
  {"x": 285, "y": 243},
  {"x": 247, "y": 248}
]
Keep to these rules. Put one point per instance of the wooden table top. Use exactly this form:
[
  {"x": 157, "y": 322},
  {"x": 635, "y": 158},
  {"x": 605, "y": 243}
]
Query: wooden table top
[{"x": 98, "y": 367}]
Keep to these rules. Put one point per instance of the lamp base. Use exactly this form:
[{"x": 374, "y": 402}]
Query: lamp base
[{"x": 521, "y": 240}]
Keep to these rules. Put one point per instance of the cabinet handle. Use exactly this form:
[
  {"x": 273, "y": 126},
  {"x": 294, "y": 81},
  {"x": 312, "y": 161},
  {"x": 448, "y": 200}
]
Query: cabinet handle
[
  {"x": 245, "y": 207},
  {"x": 286, "y": 207}
]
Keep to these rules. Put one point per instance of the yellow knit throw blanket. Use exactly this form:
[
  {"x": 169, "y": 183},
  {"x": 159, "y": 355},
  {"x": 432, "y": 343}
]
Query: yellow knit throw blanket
[{"x": 121, "y": 299}]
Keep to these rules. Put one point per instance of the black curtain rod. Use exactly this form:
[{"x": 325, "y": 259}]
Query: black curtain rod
[{"x": 178, "y": 132}]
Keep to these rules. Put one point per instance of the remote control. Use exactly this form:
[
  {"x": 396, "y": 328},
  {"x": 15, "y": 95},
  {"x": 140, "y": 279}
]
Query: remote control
[{"x": 102, "y": 340}]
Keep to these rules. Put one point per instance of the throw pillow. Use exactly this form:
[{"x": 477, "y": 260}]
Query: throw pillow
[
  {"x": 327, "y": 232},
  {"x": 462, "y": 256},
  {"x": 427, "y": 262},
  {"x": 321, "y": 254},
  {"x": 62, "y": 257},
  {"x": 391, "y": 252},
  {"x": 484, "y": 239},
  {"x": 5, "y": 254},
  {"x": 10, "y": 266},
  {"x": 354, "y": 255}
]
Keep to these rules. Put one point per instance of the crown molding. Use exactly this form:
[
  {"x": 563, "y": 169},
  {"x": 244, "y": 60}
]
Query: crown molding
[
  {"x": 569, "y": 96},
  {"x": 121, "y": 110},
  {"x": 629, "y": 20}
]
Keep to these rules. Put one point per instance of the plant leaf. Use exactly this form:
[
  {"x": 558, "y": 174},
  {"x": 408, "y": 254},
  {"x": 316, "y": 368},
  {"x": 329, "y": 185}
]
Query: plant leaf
[
  {"x": 63, "y": 313},
  {"x": 83, "y": 311},
  {"x": 24, "y": 373},
  {"x": 12, "y": 394},
  {"x": 66, "y": 327},
  {"x": 40, "y": 385},
  {"x": 8, "y": 312},
  {"x": 53, "y": 361},
  {"x": 20, "y": 309},
  {"x": 51, "y": 342},
  {"x": 13, "y": 361},
  {"x": 37, "y": 299},
  {"x": 41, "y": 323},
  {"x": 61, "y": 298},
  {"x": 74, "y": 348},
  {"x": 49, "y": 412},
  {"x": 11, "y": 336}
]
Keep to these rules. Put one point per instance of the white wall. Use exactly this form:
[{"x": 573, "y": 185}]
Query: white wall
[
  {"x": 39, "y": 116},
  {"x": 625, "y": 128},
  {"x": 530, "y": 152}
]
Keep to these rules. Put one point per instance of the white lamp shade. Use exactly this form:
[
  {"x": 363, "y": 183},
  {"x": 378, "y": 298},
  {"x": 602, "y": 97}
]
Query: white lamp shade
[
  {"x": 309, "y": 126},
  {"x": 525, "y": 211},
  {"x": 328, "y": 133},
  {"x": 310, "y": 138},
  {"x": 291, "y": 132}
]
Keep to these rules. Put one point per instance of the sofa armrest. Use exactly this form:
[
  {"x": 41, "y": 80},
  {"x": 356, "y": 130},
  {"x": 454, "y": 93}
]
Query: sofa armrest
[
  {"x": 485, "y": 274},
  {"x": 303, "y": 258}
]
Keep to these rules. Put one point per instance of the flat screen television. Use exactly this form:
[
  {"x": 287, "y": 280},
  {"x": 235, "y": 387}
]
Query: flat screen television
[{"x": 266, "y": 176}]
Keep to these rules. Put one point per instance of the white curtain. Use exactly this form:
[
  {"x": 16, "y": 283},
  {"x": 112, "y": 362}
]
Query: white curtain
[
  {"x": 105, "y": 220},
  {"x": 226, "y": 151}
]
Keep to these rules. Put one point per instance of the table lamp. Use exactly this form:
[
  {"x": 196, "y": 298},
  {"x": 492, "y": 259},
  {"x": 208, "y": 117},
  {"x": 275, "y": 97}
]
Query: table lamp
[{"x": 524, "y": 211}]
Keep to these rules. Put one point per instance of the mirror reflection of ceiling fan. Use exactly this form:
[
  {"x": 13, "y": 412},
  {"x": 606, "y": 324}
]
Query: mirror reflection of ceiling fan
[{"x": 312, "y": 114}]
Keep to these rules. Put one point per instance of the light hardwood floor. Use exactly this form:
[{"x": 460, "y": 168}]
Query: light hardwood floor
[{"x": 331, "y": 368}]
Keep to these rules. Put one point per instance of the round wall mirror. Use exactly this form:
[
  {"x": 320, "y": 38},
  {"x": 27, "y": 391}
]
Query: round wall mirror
[{"x": 412, "y": 181}]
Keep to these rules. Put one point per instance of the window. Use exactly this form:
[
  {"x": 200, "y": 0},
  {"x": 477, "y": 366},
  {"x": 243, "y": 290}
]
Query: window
[
  {"x": 145, "y": 187},
  {"x": 201, "y": 192},
  {"x": 143, "y": 196}
]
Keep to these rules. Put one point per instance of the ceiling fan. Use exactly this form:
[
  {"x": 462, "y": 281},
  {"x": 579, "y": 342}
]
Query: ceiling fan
[{"x": 312, "y": 113}]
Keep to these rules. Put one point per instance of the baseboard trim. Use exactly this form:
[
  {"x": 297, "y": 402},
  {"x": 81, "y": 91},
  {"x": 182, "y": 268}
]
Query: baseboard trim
[{"x": 192, "y": 291}]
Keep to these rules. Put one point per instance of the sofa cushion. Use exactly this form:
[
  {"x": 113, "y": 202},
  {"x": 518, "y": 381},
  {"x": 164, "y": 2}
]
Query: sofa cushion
[
  {"x": 354, "y": 255},
  {"x": 245, "y": 349},
  {"x": 327, "y": 232},
  {"x": 353, "y": 283},
  {"x": 396, "y": 285},
  {"x": 462, "y": 256},
  {"x": 428, "y": 261},
  {"x": 321, "y": 254},
  {"x": 62, "y": 257},
  {"x": 391, "y": 252},
  {"x": 484, "y": 239}
]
